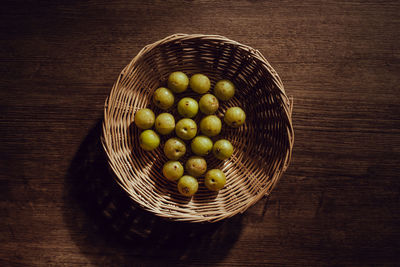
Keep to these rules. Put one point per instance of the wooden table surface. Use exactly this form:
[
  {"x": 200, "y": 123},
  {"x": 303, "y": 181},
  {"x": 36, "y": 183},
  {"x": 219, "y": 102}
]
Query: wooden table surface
[{"x": 338, "y": 203}]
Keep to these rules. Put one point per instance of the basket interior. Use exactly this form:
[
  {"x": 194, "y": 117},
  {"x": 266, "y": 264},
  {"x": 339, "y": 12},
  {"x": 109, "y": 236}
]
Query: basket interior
[{"x": 261, "y": 145}]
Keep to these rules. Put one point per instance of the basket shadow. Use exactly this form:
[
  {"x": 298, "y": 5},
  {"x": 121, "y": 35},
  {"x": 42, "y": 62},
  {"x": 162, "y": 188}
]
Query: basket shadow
[{"x": 102, "y": 218}]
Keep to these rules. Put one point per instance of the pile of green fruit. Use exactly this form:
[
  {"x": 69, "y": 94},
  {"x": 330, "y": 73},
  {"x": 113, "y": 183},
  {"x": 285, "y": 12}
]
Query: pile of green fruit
[{"x": 186, "y": 129}]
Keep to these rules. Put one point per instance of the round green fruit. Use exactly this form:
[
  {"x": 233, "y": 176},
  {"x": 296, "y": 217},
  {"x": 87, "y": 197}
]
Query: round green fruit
[
  {"x": 149, "y": 140},
  {"x": 188, "y": 185},
  {"x": 163, "y": 98},
  {"x": 165, "y": 123},
  {"x": 235, "y": 117},
  {"x": 201, "y": 145},
  {"x": 196, "y": 166},
  {"x": 222, "y": 149},
  {"x": 210, "y": 125},
  {"x": 224, "y": 90},
  {"x": 200, "y": 83},
  {"x": 215, "y": 180},
  {"x": 178, "y": 82},
  {"x": 186, "y": 129},
  {"x": 188, "y": 107},
  {"x": 144, "y": 118},
  {"x": 208, "y": 104},
  {"x": 172, "y": 170},
  {"x": 174, "y": 148}
]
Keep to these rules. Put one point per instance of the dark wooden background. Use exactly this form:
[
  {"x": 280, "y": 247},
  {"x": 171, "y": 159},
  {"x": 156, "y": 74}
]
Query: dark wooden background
[{"x": 338, "y": 203}]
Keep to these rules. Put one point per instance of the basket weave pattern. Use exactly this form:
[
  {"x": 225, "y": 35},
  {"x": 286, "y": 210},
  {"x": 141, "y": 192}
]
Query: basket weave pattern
[{"x": 263, "y": 145}]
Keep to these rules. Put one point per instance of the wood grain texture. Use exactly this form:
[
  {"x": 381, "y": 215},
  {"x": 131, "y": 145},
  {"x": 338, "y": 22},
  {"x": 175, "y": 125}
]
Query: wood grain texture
[{"x": 338, "y": 203}]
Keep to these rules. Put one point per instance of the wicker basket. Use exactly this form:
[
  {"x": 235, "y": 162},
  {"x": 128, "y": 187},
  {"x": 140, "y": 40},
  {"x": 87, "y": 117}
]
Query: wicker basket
[{"x": 263, "y": 145}]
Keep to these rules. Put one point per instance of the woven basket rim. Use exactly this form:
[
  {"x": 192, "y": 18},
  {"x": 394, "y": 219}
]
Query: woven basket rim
[
  {"x": 255, "y": 54},
  {"x": 183, "y": 36}
]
